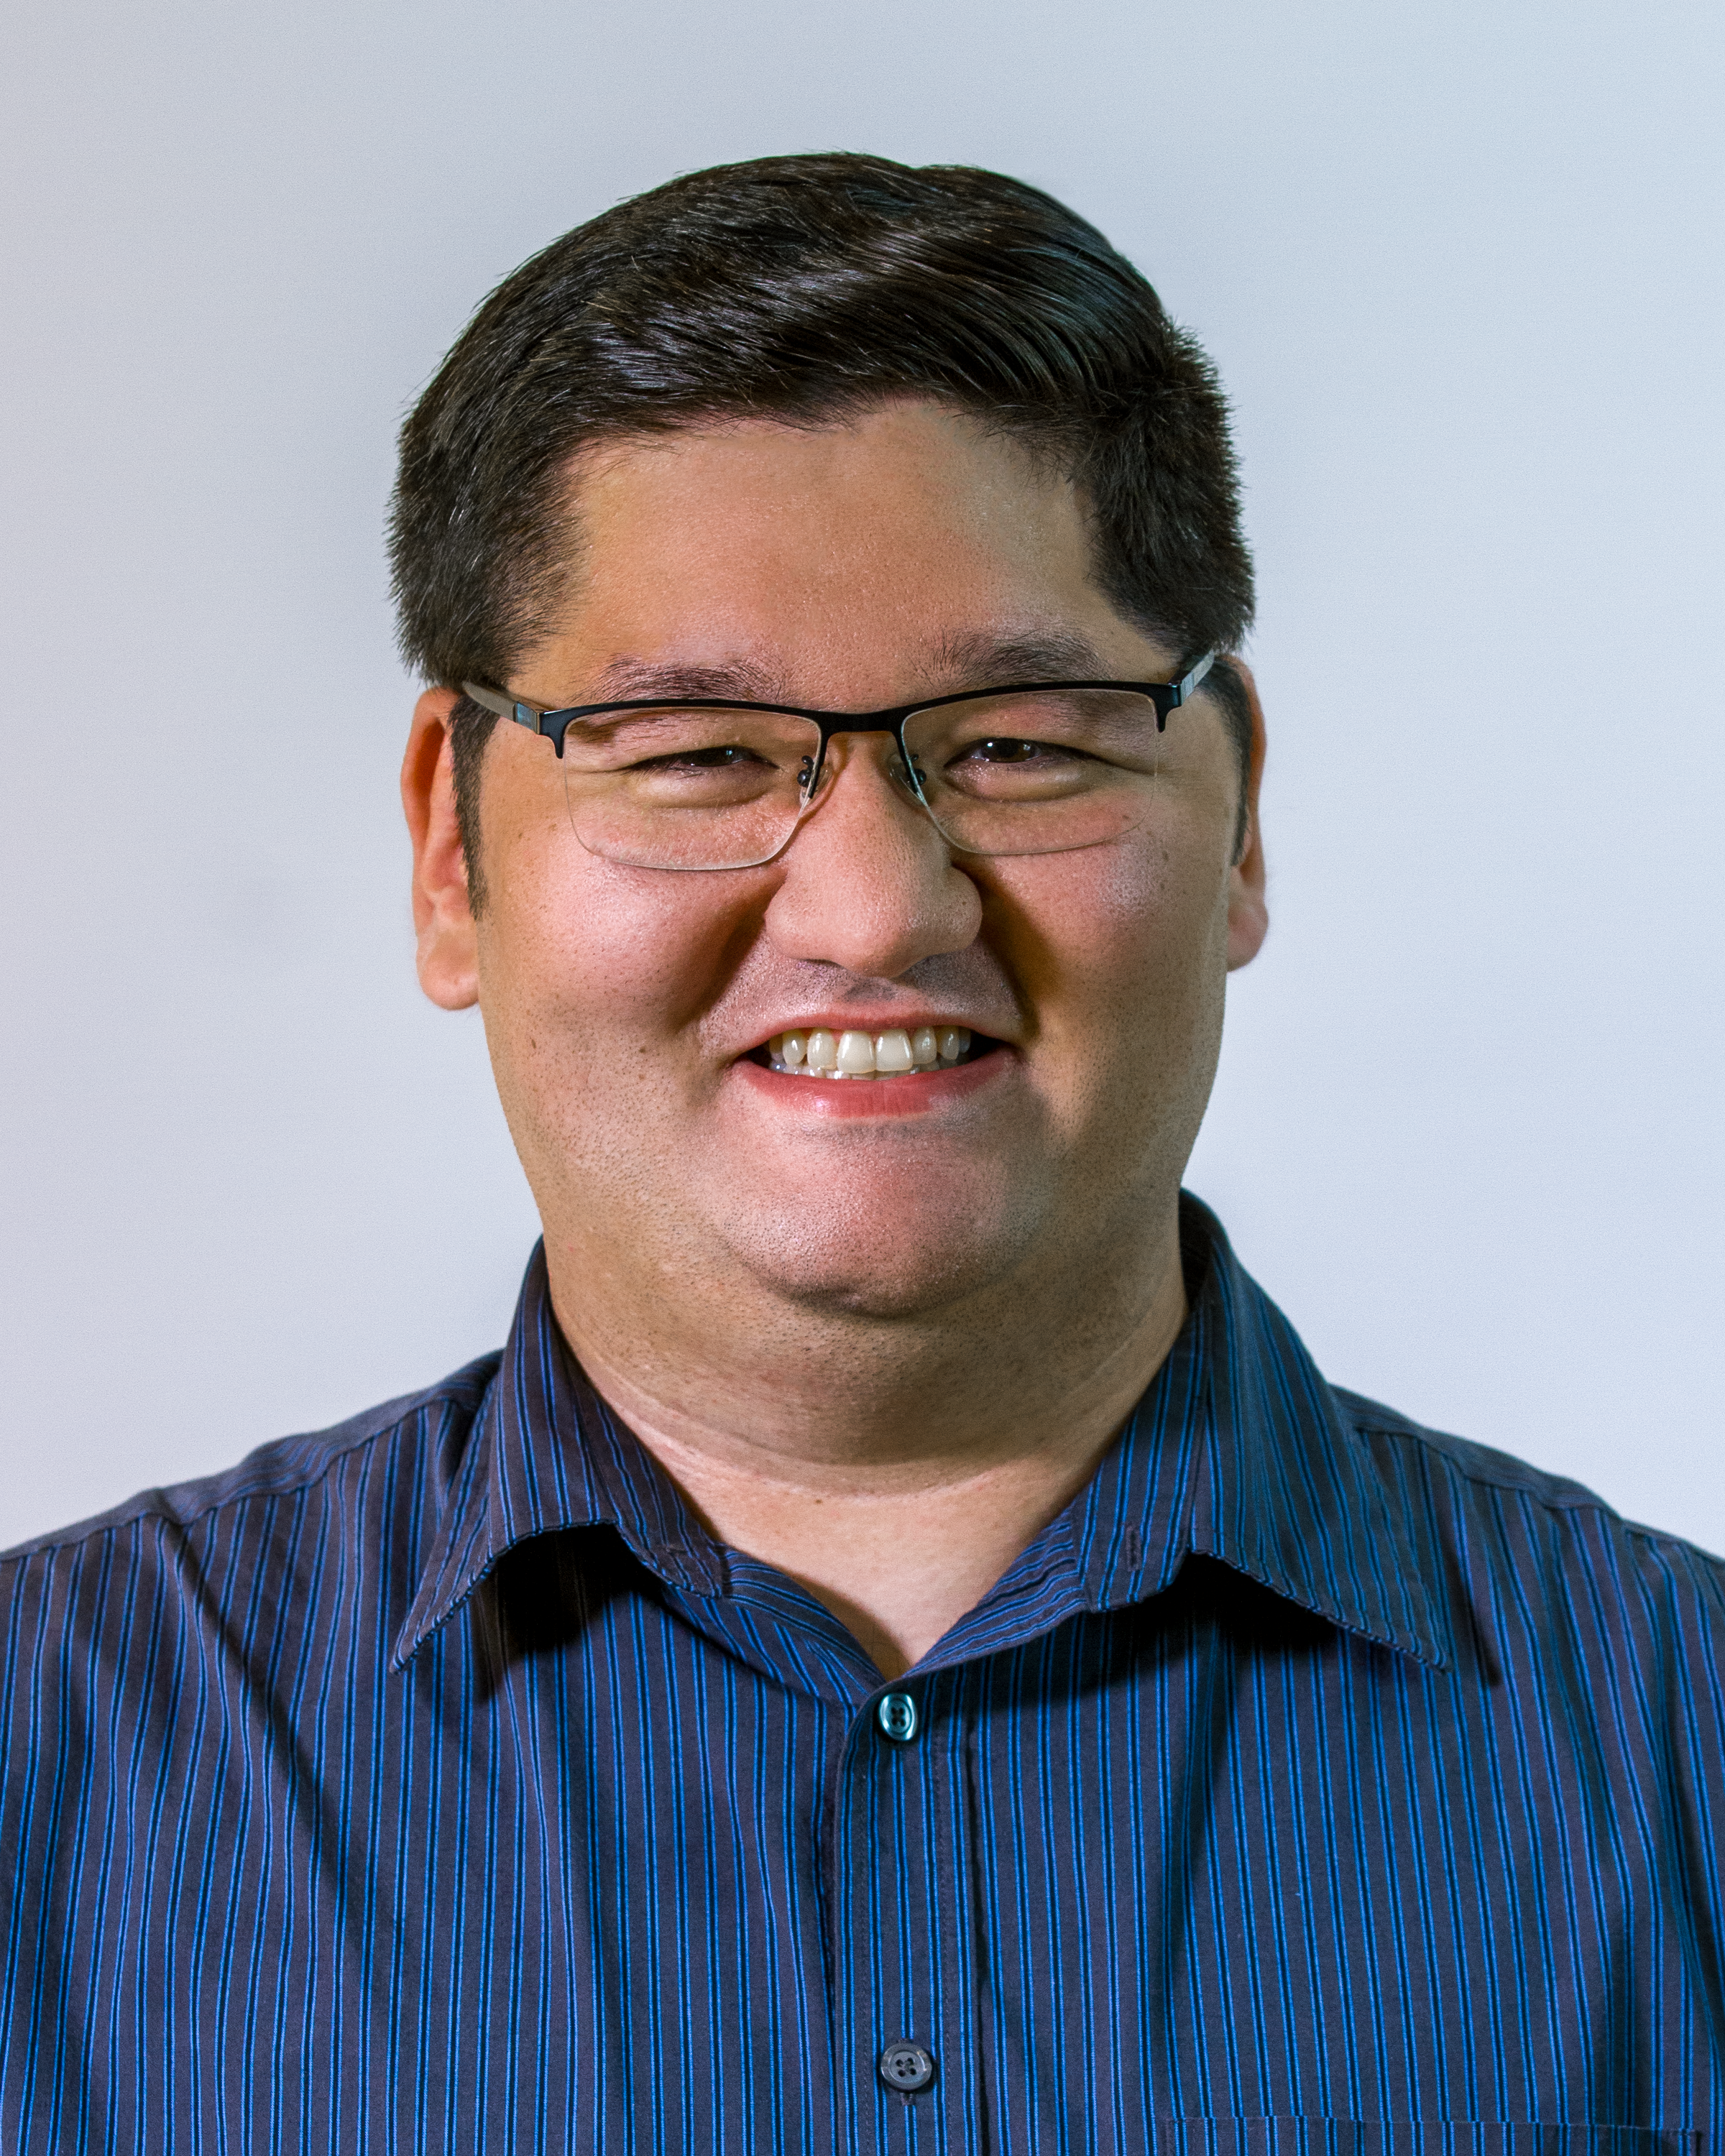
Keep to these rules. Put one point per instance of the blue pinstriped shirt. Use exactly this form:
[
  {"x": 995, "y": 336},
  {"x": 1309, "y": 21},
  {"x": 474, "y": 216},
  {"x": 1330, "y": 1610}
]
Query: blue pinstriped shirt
[{"x": 1314, "y": 1783}]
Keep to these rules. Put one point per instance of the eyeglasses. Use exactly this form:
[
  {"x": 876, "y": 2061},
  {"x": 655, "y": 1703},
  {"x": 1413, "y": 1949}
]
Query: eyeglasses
[{"x": 704, "y": 782}]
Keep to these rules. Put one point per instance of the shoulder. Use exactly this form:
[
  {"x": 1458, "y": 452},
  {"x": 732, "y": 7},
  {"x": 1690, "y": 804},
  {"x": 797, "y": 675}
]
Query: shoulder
[
  {"x": 1501, "y": 1510},
  {"x": 387, "y": 1460}
]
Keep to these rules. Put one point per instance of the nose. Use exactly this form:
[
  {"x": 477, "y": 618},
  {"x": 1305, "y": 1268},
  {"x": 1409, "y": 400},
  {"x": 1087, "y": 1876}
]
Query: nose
[{"x": 869, "y": 883}]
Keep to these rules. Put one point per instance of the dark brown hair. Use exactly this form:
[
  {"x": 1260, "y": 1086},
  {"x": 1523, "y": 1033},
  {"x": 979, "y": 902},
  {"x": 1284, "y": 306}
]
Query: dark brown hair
[{"x": 805, "y": 289}]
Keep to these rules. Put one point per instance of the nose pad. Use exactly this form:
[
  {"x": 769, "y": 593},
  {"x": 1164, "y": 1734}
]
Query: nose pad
[
  {"x": 818, "y": 773},
  {"x": 910, "y": 775}
]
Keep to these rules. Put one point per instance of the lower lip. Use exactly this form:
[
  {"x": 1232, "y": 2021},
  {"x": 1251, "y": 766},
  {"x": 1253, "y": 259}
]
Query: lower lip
[{"x": 916, "y": 1094}]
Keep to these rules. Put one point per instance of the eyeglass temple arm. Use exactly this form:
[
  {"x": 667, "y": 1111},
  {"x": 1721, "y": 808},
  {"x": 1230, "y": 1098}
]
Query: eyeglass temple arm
[
  {"x": 1179, "y": 691},
  {"x": 532, "y": 716},
  {"x": 506, "y": 707}
]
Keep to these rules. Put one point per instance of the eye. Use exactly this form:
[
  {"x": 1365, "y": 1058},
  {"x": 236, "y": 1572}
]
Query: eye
[
  {"x": 999, "y": 750},
  {"x": 726, "y": 755}
]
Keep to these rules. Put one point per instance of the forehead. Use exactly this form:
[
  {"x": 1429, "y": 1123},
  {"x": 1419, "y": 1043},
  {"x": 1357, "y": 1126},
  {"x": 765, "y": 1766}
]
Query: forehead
[{"x": 904, "y": 535}]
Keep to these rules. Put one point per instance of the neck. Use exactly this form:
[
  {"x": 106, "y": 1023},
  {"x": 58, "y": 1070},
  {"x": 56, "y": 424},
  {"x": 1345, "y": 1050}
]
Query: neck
[{"x": 894, "y": 1468}]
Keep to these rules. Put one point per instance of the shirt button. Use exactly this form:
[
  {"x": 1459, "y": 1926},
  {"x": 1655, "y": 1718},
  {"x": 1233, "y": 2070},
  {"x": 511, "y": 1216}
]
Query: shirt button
[
  {"x": 905, "y": 2066},
  {"x": 896, "y": 1715}
]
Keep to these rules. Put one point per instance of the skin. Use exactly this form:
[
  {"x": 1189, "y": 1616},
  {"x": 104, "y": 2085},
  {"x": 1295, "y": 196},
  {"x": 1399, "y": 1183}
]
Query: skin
[{"x": 878, "y": 1334}]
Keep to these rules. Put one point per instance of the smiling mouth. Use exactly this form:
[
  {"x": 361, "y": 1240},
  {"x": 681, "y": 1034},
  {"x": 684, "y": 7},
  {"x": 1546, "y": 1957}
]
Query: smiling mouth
[{"x": 899, "y": 1052}]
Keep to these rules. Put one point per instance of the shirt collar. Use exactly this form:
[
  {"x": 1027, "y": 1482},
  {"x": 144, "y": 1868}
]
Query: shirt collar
[
  {"x": 546, "y": 1453},
  {"x": 1239, "y": 1450},
  {"x": 1295, "y": 1496}
]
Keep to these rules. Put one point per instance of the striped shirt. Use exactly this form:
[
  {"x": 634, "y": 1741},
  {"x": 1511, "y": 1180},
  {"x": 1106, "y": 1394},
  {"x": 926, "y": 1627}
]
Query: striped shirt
[{"x": 1314, "y": 1783}]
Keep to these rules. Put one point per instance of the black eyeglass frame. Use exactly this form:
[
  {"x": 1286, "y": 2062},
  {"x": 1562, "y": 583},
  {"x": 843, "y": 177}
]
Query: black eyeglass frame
[{"x": 555, "y": 723}]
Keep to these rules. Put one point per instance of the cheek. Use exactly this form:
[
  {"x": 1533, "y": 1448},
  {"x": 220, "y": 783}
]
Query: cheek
[
  {"x": 594, "y": 965},
  {"x": 1123, "y": 951},
  {"x": 1114, "y": 941}
]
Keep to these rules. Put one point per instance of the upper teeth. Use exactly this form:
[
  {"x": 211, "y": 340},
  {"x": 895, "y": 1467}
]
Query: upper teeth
[{"x": 823, "y": 1055}]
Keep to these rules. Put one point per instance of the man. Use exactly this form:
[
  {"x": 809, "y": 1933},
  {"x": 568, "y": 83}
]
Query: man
[{"x": 903, "y": 1651}]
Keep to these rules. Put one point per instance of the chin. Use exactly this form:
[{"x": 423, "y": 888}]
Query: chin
[{"x": 867, "y": 1260}]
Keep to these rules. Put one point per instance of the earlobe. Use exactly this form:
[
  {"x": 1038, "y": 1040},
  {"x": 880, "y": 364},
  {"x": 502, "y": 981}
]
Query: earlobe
[
  {"x": 443, "y": 918},
  {"x": 1248, "y": 913}
]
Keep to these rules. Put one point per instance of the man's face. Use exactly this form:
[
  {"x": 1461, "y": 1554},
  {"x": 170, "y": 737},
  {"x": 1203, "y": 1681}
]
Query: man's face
[{"x": 627, "y": 1009}]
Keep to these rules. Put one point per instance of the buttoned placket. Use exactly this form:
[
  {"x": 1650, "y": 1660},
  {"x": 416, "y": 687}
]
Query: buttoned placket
[{"x": 896, "y": 1848}]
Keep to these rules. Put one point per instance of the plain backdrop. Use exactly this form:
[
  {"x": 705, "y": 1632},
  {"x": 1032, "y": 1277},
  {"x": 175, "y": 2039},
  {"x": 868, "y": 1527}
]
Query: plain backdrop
[{"x": 1459, "y": 265}]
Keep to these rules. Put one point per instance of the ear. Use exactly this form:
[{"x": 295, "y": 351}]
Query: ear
[
  {"x": 443, "y": 918},
  {"x": 1248, "y": 915}
]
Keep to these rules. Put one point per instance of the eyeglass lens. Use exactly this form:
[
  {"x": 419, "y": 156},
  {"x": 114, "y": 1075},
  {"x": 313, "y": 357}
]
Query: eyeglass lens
[{"x": 1029, "y": 772}]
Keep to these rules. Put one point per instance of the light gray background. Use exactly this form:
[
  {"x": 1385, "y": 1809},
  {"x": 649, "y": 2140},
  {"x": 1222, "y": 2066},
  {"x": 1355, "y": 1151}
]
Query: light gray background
[{"x": 1459, "y": 265}]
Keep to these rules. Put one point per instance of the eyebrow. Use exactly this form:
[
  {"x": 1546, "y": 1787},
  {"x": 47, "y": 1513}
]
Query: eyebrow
[
  {"x": 624, "y": 681},
  {"x": 979, "y": 658},
  {"x": 976, "y": 659}
]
